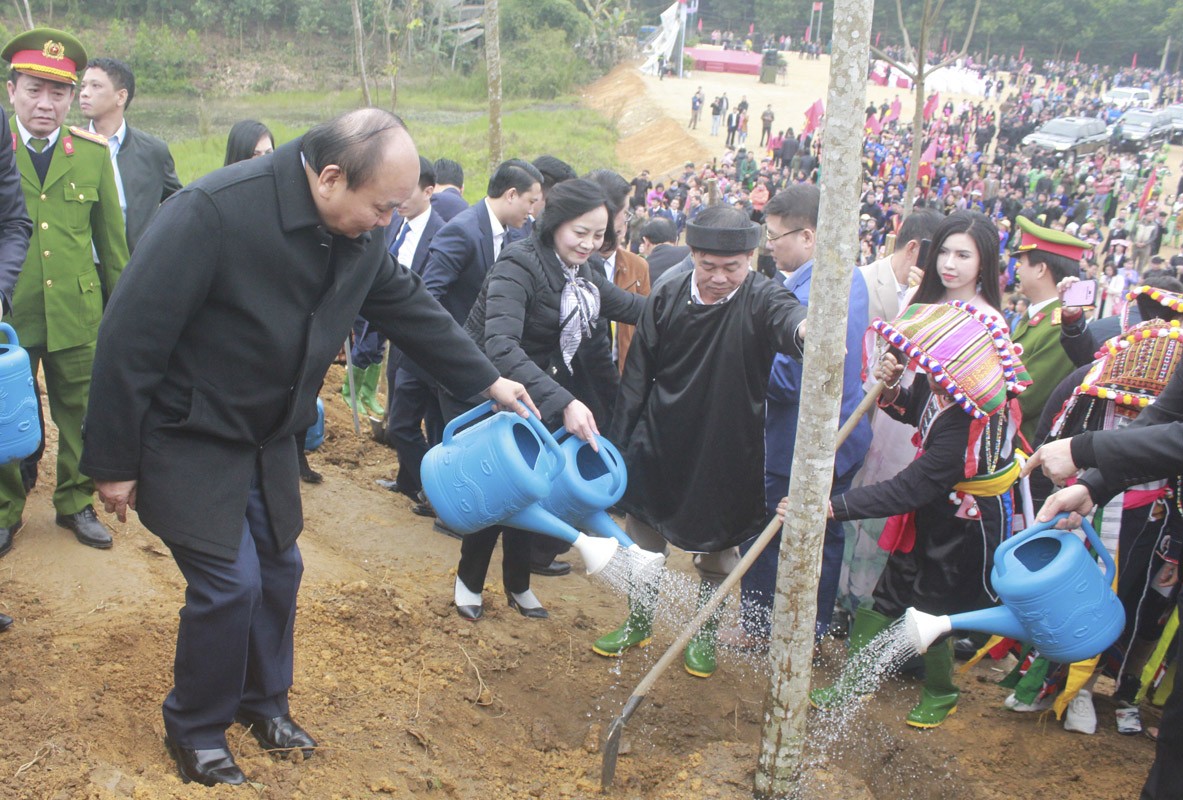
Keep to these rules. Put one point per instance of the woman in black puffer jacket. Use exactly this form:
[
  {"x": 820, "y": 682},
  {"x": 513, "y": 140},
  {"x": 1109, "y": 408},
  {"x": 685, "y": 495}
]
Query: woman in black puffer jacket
[{"x": 538, "y": 307}]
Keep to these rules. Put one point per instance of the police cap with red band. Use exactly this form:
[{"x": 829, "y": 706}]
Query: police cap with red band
[{"x": 46, "y": 53}]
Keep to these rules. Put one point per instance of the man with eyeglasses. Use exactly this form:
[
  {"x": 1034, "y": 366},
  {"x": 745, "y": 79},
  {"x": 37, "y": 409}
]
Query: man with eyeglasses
[{"x": 791, "y": 237}]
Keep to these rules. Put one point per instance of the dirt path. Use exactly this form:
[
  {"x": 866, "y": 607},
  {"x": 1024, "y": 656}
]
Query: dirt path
[{"x": 408, "y": 700}]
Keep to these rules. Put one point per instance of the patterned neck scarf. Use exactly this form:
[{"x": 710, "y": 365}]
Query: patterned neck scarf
[{"x": 579, "y": 310}]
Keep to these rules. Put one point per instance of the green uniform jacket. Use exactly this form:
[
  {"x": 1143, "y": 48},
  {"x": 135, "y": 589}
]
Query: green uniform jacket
[
  {"x": 1046, "y": 363},
  {"x": 60, "y": 294}
]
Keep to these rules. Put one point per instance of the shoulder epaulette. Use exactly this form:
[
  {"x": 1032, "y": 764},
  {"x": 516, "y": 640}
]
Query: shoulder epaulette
[{"x": 89, "y": 136}]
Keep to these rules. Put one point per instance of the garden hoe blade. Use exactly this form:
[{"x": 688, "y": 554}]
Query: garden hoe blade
[{"x": 612, "y": 742}]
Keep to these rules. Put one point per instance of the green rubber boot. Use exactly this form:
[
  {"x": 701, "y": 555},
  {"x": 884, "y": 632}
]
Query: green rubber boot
[
  {"x": 358, "y": 377},
  {"x": 367, "y": 393},
  {"x": 637, "y": 631},
  {"x": 868, "y": 623},
  {"x": 699, "y": 657},
  {"x": 939, "y": 697}
]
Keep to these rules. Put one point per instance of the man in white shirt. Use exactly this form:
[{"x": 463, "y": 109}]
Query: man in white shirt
[{"x": 144, "y": 169}]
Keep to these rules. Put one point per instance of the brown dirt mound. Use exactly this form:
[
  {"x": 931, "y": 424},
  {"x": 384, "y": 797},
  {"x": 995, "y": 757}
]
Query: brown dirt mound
[{"x": 648, "y": 139}]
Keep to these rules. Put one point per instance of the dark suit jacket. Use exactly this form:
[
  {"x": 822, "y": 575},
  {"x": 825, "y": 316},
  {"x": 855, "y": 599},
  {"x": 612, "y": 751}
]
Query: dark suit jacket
[
  {"x": 418, "y": 262},
  {"x": 663, "y": 257},
  {"x": 149, "y": 178},
  {"x": 216, "y": 341},
  {"x": 448, "y": 203},
  {"x": 460, "y": 258},
  {"x": 15, "y": 225}
]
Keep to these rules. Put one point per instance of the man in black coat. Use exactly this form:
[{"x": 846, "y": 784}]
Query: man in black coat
[
  {"x": 15, "y": 227},
  {"x": 209, "y": 360},
  {"x": 143, "y": 165}
]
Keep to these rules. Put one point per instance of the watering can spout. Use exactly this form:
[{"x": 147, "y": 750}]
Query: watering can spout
[
  {"x": 997, "y": 621},
  {"x": 601, "y": 524},
  {"x": 595, "y": 551},
  {"x": 924, "y": 629}
]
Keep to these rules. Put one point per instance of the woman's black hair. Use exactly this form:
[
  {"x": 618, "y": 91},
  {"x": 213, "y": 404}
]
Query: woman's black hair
[
  {"x": 617, "y": 191},
  {"x": 985, "y": 236},
  {"x": 240, "y": 144},
  {"x": 566, "y": 201}
]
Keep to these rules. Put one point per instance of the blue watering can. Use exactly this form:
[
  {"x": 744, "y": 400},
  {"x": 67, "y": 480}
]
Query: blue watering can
[
  {"x": 1053, "y": 596},
  {"x": 590, "y": 483},
  {"x": 495, "y": 473},
  {"x": 314, "y": 437},
  {"x": 20, "y": 432}
]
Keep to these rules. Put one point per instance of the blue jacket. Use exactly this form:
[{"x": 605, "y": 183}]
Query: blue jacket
[{"x": 784, "y": 387}]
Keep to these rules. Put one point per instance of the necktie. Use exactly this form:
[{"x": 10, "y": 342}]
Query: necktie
[
  {"x": 38, "y": 144},
  {"x": 398, "y": 242}
]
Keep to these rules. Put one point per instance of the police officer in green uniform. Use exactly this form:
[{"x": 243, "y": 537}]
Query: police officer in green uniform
[
  {"x": 72, "y": 198},
  {"x": 1045, "y": 257}
]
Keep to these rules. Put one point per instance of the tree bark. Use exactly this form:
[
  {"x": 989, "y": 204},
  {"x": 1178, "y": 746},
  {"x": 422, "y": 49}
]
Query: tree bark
[
  {"x": 493, "y": 68},
  {"x": 359, "y": 42},
  {"x": 795, "y": 607}
]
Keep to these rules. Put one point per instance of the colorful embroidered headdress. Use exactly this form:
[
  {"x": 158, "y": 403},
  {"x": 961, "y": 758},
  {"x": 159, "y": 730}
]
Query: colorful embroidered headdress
[
  {"x": 1152, "y": 303},
  {"x": 965, "y": 351},
  {"x": 1133, "y": 369}
]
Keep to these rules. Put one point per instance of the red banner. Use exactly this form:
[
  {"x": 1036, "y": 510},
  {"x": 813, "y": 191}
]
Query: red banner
[
  {"x": 813, "y": 115},
  {"x": 817, "y": 6}
]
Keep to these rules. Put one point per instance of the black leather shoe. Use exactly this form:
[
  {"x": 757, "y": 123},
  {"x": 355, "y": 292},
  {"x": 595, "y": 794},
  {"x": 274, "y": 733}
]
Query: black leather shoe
[
  {"x": 551, "y": 570},
  {"x": 207, "y": 767},
  {"x": 87, "y": 528},
  {"x": 471, "y": 613},
  {"x": 307, "y": 473},
  {"x": 532, "y": 613},
  {"x": 278, "y": 733},
  {"x": 439, "y": 527},
  {"x": 6, "y": 535},
  {"x": 422, "y": 506},
  {"x": 5, "y": 622}
]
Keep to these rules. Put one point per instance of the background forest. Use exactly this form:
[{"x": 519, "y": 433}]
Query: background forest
[{"x": 548, "y": 46}]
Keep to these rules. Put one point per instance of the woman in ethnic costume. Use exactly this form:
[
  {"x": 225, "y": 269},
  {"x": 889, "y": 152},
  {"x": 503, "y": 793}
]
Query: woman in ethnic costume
[{"x": 951, "y": 507}]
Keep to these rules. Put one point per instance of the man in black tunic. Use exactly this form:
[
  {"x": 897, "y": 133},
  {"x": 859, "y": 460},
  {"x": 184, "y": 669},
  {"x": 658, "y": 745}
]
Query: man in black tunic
[{"x": 690, "y": 414}]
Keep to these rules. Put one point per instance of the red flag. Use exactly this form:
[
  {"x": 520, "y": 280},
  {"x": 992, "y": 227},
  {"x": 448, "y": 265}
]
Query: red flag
[
  {"x": 1077, "y": 61},
  {"x": 930, "y": 154},
  {"x": 877, "y": 35},
  {"x": 873, "y": 125},
  {"x": 1021, "y": 48},
  {"x": 1134, "y": 63},
  {"x": 945, "y": 45},
  {"x": 751, "y": 29},
  {"x": 930, "y": 106},
  {"x": 817, "y": 6},
  {"x": 700, "y": 24},
  {"x": 813, "y": 114},
  {"x": 1146, "y": 192},
  {"x": 894, "y": 114}
]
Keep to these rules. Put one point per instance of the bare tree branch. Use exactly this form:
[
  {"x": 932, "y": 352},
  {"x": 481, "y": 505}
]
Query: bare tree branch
[
  {"x": 899, "y": 10},
  {"x": 907, "y": 70}
]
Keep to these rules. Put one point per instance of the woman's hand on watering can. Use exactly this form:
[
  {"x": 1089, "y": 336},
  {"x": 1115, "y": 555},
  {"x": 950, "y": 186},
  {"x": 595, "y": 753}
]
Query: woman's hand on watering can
[
  {"x": 1056, "y": 460},
  {"x": 509, "y": 396},
  {"x": 578, "y": 419},
  {"x": 1075, "y": 500},
  {"x": 117, "y": 497}
]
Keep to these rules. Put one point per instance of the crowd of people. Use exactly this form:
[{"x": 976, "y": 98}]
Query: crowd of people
[{"x": 574, "y": 299}]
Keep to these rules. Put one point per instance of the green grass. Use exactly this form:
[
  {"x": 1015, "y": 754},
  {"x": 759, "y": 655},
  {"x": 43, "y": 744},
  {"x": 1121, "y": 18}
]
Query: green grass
[{"x": 443, "y": 127}]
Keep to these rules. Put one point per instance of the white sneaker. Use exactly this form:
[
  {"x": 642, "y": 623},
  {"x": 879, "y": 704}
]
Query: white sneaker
[
  {"x": 1081, "y": 716},
  {"x": 1040, "y": 704}
]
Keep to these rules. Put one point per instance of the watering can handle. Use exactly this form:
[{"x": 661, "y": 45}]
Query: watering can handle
[
  {"x": 1039, "y": 527},
  {"x": 468, "y": 416},
  {"x": 558, "y": 460},
  {"x": 10, "y": 333},
  {"x": 613, "y": 466}
]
